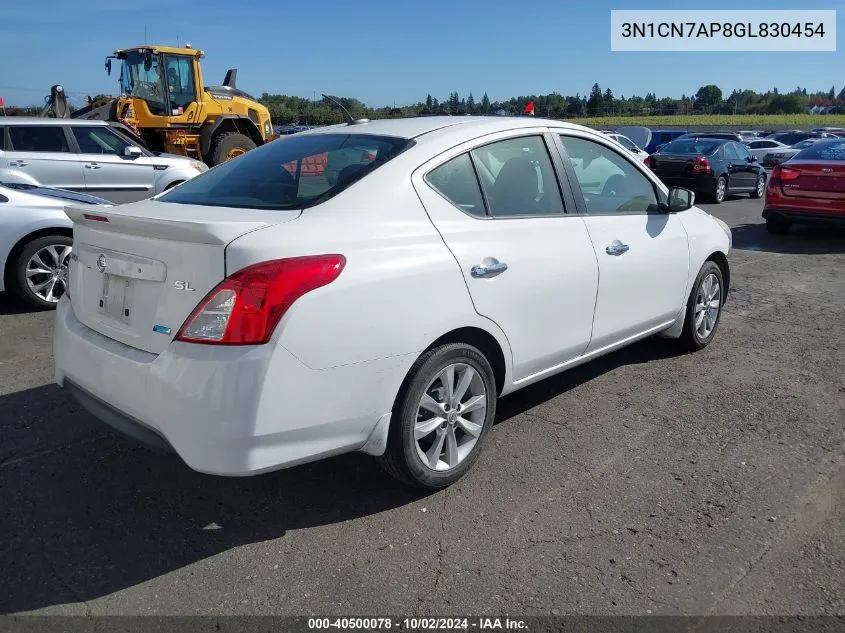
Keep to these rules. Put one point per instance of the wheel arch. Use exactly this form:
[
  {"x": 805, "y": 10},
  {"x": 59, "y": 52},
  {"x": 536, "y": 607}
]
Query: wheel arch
[
  {"x": 15, "y": 251},
  {"x": 721, "y": 260},
  {"x": 486, "y": 343},
  {"x": 228, "y": 123}
]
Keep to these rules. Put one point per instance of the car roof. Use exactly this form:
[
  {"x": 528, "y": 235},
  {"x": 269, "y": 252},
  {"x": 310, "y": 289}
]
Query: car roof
[
  {"x": 41, "y": 120},
  {"x": 417, "y": 127}
]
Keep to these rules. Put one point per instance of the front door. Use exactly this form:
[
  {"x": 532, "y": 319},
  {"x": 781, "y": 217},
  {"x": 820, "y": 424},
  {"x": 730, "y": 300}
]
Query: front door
[
  {"x": 41, "y": 155},
  {"x": 529, "y": 267},
  {"x": 109, "y": 173},
  {"x": 642, "y": 251}
]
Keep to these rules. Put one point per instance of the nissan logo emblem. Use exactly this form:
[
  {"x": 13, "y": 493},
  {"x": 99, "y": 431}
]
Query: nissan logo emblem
[{"x": 101, "y": 263}]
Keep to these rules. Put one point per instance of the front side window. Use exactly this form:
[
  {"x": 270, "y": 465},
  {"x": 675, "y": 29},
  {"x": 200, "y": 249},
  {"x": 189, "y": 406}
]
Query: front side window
[
  {"x": 609, "y": 182},
  {"x": 455, "y": 180},
  {"x": 37, "y": 138},
  {"x": 98, "y": 140},
  {"x": 518, "y": 178},
  {"x": 180, "y": 82},
  {"x": 294, "y": 172},
  {"x": 142, "y": 76}
]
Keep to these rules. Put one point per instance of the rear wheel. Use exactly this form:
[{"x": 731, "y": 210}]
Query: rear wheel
[
  {"x": 721, "y": 190},
  {"x": 229, "y": 145},
  {"x": 441, "y": 417},
  {"x": 760, "y": 188},
  {"x": 41, "y": 271},
  {"x": 777, "y": 226}
]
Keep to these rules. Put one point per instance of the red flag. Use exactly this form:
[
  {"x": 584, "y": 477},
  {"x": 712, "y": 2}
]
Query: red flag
[
  {"x": 529, "y": 109},
  {"x": 2, "y": 105}
]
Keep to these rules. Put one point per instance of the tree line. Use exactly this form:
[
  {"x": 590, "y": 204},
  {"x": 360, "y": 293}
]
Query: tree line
[{"x": 709, "y": 99}]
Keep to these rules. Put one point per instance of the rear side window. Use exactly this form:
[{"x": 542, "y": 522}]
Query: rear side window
[
  {"x": 730, "y": 151},
  {"x": 518, "y": 178},
  {"x": 37, "y": 138},
  {"x": 455, "y": 180},
  {"x": 689, "y": 146},
  {"x": 294, "y": 172}
]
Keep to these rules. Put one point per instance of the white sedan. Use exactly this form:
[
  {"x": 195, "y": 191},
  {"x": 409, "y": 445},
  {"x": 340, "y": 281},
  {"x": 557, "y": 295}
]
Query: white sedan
[
  {"x": 259, "y": 316},
  {"x": 35, "y": 240}
]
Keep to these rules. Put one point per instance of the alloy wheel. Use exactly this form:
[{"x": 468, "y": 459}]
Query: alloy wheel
[
  {"x": 721, "y": 187},
  {"x": 708, "y": 303},
  {"x": 450, "y": 417},
  {"x": 46, "y": 272}
]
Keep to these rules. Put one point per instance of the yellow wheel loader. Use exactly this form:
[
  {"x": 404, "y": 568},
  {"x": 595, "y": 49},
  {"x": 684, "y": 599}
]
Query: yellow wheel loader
[{"x": 164, "y": 102}]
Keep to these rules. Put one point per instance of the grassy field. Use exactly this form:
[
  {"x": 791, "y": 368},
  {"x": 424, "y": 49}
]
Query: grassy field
[{"x": 739, "y": 121}]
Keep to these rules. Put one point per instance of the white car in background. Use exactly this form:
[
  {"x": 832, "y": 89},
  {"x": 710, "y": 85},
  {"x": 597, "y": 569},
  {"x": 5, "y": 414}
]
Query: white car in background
[
  {"x": 35, "y": 241},
  {"x": 87, "y": 156},
  {"x": 759, "y": 148},
  {"x": 628, "y": 144},
  {"x": 250, "y": 321}
]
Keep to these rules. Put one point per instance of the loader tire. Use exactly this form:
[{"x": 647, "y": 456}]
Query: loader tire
[{"x": 229, "y": 145}]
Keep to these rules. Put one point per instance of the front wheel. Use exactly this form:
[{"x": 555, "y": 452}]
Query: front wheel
[
  {"x": 230, "y": 145},
  {"x": 441, "y": 417},
  {"x": 760, "y": 189},
  {"x": 704, "y": 308}
]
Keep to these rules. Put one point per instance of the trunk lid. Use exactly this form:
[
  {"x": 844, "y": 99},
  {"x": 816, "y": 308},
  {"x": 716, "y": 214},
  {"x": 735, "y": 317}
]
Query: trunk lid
[
  {"x": 816, "y": 179},
  {"x": 138, "y": 270},
  {"x": 672, "y": 165}
]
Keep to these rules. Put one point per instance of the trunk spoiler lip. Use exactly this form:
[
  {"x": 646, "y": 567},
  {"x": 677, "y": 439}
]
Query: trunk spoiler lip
[{"x": 201, "y": 225}]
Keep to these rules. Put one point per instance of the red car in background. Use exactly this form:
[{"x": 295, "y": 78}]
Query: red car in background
[{"x": 808, "y": 188}]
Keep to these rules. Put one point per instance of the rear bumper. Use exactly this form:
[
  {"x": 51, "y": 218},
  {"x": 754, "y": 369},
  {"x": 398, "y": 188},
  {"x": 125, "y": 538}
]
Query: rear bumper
[
  {"x": 229, "y": 411},
  {"x": 799, "y": 216}
]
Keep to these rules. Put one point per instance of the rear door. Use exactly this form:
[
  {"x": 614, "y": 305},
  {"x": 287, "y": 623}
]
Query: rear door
[
  {"x": 41, "y": 154},
  {"x": 109, "y": 173},
  {"x": 642, "y": 251},
  {"x": 749, "y": 168},
  {"x": 737, "y": 175},
  {"x": 529, "y": 267}
]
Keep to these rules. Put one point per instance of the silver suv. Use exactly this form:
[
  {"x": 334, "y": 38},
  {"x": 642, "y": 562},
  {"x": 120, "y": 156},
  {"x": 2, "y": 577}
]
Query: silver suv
[{"x": 90, "y": 157}]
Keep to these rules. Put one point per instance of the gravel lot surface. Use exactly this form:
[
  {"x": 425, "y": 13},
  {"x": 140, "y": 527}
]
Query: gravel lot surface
[{"x": 644, "y": 482}]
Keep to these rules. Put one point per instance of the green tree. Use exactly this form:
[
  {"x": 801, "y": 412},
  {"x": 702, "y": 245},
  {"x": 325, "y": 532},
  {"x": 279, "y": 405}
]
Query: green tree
[
  {"x": 485, "y": 103},
  {"x": 594, "y": 103},
  {"x": 470, "y": 104},
  {"x": 429, "y": 103},
  {"x": 787, "y": 104},
  {"x": 708, "y": 97}
]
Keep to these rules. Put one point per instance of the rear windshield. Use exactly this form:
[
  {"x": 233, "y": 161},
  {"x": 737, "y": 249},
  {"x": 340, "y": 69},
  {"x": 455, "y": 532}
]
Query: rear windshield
[
  {"x": 690, "y": 146},
  {"x": 831, "y": 150},
  {"x": 293, "y": 172}
]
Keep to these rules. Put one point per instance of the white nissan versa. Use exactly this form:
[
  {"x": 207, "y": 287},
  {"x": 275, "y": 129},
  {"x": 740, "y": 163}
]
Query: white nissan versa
[{"x": 260, "y": 316}]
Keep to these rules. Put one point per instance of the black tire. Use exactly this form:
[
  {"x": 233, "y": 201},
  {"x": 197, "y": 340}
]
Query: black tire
[
  {"x": 759, "y": 190},
  {"x": 173, "y": 184},
  {"x": 777, "y": 226},
  {"x": 691, "y": 340},
  {"x": 715, "y": 195},
  {"x": 227, "y": 142},
  {"x": 401, "y": 459},
  {"x": 21, "y": 287}
]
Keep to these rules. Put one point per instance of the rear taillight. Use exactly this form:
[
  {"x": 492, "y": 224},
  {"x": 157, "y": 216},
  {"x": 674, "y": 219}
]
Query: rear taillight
[
  {"x": 785, "y": 173},
  {"x": 648, "y": 162},
  {"x": 701, "y": 166},
  {"x": 246, "y": 307}
]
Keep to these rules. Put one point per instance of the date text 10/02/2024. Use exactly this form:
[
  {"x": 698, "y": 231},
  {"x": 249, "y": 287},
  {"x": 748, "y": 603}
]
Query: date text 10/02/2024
[{"x": 421, "y": 623}]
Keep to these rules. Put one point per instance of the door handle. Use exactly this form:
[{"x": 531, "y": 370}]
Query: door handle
[
  {"x": 18, "y": 163},
  {"x": 616, "y": 248},
  {"x": 488, "y": 270},
  {"x": 92, "y": 166}
]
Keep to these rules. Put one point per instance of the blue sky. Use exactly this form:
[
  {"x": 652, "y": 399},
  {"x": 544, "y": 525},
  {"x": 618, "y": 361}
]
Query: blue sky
[{"x": 385, "y": 52}]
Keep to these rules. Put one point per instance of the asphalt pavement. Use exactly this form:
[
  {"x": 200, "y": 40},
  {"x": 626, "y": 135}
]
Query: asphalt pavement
[{"x": 643, "y": 482}]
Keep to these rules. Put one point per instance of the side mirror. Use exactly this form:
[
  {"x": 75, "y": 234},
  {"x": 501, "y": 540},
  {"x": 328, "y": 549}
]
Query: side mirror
[
  {"x": 680, "y": 199},
  {"x": 132, "y": 152}
]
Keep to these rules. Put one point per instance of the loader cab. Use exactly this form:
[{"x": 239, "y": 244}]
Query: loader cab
[{"x": 167, "y": 82}]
